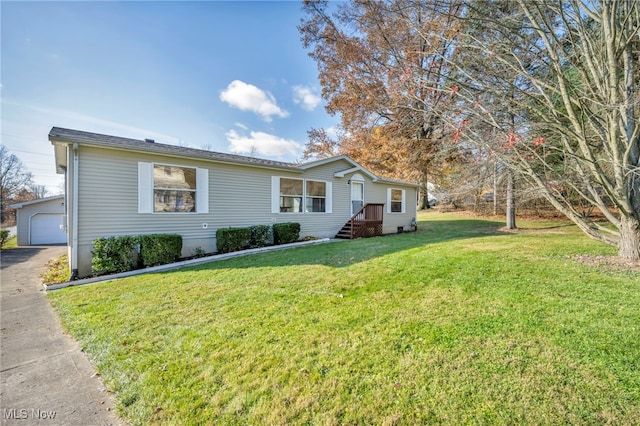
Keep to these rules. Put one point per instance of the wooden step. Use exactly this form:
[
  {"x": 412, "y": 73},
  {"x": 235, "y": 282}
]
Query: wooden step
[{"x": 345, "y": 232}]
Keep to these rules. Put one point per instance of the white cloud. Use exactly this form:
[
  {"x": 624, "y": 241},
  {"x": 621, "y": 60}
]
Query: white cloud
[
  {"x": 334, "y": 132},
  {"x": 247, "y": 97},
  {"x": 261, "y": 143},
  {"x": 306, "y": 97}
]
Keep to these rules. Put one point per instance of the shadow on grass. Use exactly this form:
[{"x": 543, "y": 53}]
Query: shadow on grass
[
  {"x": 543, "y": 228},
  {"x": 346, "y": 253}
]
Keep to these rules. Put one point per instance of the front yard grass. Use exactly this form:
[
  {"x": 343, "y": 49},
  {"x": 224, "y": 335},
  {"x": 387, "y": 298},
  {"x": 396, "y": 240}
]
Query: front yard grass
[
  {"x": 458, "y": 323},
  {"x": 10, "y": 243}
]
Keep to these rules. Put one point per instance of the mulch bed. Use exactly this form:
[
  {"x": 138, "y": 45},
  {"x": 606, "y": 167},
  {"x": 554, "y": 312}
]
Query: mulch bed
[{"x": 608, "y": 262}]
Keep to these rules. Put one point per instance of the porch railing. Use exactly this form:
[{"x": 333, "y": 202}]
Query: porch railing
[{"x": 366, "y": 222}]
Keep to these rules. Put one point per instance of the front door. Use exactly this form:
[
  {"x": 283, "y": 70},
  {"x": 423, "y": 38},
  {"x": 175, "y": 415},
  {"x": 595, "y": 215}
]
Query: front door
[{"x": 357, "y": 196}]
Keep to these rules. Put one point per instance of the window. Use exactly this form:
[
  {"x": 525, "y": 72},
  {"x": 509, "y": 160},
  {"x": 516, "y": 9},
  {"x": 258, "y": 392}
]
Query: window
[
  {"x": 290, "y": 195},
  {"x": 174, "y": 189},
  {"x": 395, "y": 200},
  {"x": 166, "y": 188},
  {"x": 316, "y": 196}
]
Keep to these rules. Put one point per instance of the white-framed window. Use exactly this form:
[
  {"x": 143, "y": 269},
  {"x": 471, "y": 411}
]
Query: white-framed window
[
  {"x": 396, "y": 200},
  {"x": 294, "y": 195},
  {"x": 169, "y": 188},
  {"x": 316, "y": 196},
  {"x": 291, "y": 194}
]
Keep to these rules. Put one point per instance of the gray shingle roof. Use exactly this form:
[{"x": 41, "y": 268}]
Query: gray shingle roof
[
  {"x": 36, "y": 201},
  {"x": 116, "y": 142},
  {"x": 59, "y": 134}
]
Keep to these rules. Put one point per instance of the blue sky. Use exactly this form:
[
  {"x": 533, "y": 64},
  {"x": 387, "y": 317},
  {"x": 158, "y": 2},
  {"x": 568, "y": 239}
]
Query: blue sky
[{"x": 225, "y": 76}]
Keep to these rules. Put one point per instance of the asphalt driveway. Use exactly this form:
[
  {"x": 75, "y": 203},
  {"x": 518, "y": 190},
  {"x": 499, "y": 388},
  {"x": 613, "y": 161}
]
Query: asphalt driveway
[{"x": 44, "y": 376}]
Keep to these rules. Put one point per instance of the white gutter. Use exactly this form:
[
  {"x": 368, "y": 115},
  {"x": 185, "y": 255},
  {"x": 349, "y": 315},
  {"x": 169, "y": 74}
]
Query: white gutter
[{"x": 74, "y": 216}]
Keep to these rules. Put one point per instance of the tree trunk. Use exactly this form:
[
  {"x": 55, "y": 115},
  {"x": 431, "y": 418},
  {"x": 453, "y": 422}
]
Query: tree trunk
[
  {"x": 424, "y": 192},
  {"x": 511, "y": 205},
  {"x": 629, "y": 247},
  {"x": 495, "y": 189}
]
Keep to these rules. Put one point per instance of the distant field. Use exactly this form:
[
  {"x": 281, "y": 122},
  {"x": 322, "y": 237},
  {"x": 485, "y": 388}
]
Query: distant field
[{"x": 458, "y": 323}]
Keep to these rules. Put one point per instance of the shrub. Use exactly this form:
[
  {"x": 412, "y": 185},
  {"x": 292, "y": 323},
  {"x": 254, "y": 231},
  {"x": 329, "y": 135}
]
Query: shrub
[
  {"x": 159, "y": 249},
  {"x": 260, "y": 236},
  {"x": 114, "y": 254},
  {"x": 198, "y": 252},
  {"x": 4, "y": 236},
  {"x": 232, "y": 239},
  {"x": 286, "y": 232}
]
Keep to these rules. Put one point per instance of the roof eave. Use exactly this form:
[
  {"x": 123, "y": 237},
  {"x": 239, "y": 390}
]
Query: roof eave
[
  {"x": 36, "y": 201},
  {"x": 152, "y": 148}
]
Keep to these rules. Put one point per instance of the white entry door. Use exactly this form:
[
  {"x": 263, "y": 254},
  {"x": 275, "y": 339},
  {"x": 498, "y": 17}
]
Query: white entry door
[{"x": 357, "y": 196}]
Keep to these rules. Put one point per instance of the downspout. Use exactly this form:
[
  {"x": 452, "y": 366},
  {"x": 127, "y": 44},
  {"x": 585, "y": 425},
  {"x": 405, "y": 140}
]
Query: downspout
[{"x": 74, "y": 216}]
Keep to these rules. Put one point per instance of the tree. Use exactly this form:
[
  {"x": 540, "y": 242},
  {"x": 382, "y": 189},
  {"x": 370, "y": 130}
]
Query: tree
[
  {"x": 38, "y": 191},
  {"x": 384, "y": 77},
  {"x": 320, "y": 145},
  {"x": 567, "y": 72},
  {"x": 555, "y": 81},
  {"x": 13, "y": 179}
]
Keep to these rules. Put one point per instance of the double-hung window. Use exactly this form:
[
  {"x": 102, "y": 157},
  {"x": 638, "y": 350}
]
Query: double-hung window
[
  {"x": 174, "y": 189},
  {"x": 395, "y": 200},
  {"x": 164, "y": 188},
  {"x": 316, "y": 197},
  {"x": 291, "y": 195}
]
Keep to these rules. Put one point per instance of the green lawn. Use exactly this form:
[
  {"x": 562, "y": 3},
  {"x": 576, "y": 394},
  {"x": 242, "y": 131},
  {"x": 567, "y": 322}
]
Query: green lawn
[
  {"x": 458, "y": 323},
  {"x": 11, "y": 243}
]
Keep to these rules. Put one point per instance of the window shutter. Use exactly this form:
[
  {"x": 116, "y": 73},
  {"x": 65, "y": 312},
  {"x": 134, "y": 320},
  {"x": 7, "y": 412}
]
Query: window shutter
[
  {"x": 202, "y": 190},
  {"x": 328, "y": 202},
  {"x": 388, "y": 200},
  {"x": 404, "y": 201},
  {"x": 145, "y": 187},
  {"x": 275, "y": 194}
]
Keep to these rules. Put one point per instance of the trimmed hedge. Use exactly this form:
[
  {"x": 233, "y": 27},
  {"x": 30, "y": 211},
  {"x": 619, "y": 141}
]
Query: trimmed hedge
[
  {"x": 232, "y": 239},
  {"x": 114, "y": 254},
  {"x": 261, "y": 236},
  {"x": 120, "y": 254},
  {"x": 159, "y": 249},
  {"x": 286, "y": 232}
]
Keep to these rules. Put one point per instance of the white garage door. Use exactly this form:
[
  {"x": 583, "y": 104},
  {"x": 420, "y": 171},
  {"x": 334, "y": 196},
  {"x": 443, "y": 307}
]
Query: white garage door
[{"x": 45, "y": 229}]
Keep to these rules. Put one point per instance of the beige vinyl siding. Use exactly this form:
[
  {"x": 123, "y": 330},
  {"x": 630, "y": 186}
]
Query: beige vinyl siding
[
  {"x": 327, "y": 225},
  {"x": 377, "y": 193},
  {"x": 109, "y": 197},
  {"x": 322, "y": 225},
  {"x": 374, "y": 192},
  {"x": 239, "y": 195},
  {"x": 108, "y": 201}
]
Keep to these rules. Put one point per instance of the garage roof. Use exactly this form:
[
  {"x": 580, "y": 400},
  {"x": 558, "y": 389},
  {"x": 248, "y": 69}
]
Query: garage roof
[{"x": 36, "y": 201}]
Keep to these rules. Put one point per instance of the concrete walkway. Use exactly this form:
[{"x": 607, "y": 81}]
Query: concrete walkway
[{"x": 44, "y": 376}]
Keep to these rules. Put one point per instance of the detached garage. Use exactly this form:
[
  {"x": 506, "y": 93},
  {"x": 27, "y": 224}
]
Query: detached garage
[{"x": 41, "y": 221}]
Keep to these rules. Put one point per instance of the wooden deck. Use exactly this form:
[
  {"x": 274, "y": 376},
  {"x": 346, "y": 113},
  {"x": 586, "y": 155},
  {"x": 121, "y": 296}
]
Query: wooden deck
[{"x": 367, "y": 222}]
